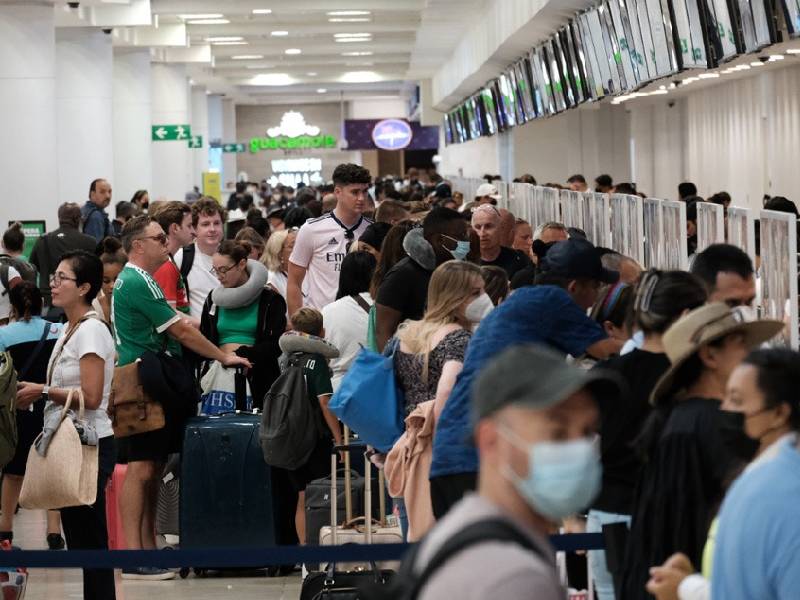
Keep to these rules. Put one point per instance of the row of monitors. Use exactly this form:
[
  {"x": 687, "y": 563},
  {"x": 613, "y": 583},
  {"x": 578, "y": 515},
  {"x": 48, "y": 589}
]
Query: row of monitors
[{"x": 617, "y": 47}]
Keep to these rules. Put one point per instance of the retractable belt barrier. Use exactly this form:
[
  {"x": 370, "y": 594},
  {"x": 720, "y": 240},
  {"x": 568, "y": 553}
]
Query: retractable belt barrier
[{"x": 241, "y": 557}]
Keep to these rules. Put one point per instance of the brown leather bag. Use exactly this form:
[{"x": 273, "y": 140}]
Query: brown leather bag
[{"x": 131, "y": 410}]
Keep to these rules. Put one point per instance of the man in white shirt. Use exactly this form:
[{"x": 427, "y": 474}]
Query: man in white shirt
[
  {"x": 207, "y": 219},
  {"x": 323, "y": 243}
]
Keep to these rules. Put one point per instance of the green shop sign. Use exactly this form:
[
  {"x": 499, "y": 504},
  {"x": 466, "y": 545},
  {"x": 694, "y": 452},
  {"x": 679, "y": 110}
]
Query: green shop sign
[
  {"x": 286, "y": 143},
  {"x": 32, "y": 230}
]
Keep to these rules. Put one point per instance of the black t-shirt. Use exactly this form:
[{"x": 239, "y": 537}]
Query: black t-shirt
[
  {"x": 509, "y": 260},
  {"x": 405, "y": 289},
  {"x": 48, "y": 249},
  {"x": 621, "y": 422}
]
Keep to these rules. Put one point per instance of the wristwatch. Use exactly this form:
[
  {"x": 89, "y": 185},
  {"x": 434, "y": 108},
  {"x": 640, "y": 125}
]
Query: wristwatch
[{"x": 45, "y": 391}]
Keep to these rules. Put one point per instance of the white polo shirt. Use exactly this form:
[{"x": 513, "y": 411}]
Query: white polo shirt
[{"x": 320, "y": 248}]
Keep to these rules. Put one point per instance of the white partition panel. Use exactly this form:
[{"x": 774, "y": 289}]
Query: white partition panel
[
  {"x": 546, "y": 208},
  {"x": 741, "y": 230},
  {"x": 779, "y": 273},
  {"x": 710, "y": 225},
  {"x": 627, "y": 226},
  {"x": 597, "y": 219}
]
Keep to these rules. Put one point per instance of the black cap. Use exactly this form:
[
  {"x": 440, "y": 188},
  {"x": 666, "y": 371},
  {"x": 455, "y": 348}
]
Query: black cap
[
  {"x": 374, "y": 234},
  {"x": 577, "y": 258},
  {"x": 443, "y": 190}
]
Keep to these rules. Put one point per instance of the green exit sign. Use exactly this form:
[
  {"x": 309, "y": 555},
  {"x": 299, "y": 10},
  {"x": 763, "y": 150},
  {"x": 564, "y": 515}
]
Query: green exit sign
[
  {"x": 166, "y": 133},
  {"x": 196, "y": 141},
  {"x": 233, "y": 148}
]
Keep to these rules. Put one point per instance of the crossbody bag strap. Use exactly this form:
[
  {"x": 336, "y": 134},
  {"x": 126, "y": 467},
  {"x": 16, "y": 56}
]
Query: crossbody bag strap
[
  {"x": 361, "y": 302},
  {"x": 70, "y": 332},
  {"x": 36, "y": 352}
]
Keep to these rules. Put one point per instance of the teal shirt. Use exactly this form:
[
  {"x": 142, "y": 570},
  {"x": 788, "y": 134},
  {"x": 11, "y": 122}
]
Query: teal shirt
[{"x": 238, "y": 325}]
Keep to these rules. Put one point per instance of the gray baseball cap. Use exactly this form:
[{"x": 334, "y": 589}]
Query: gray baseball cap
[{"x": 535, "y": 377}]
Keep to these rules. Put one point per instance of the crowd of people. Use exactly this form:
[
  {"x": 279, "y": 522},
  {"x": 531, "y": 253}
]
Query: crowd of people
[{"x": 547, "y": 383}]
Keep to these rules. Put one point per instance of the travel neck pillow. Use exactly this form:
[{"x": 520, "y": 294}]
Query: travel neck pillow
[{"x": 246, "y": 294}]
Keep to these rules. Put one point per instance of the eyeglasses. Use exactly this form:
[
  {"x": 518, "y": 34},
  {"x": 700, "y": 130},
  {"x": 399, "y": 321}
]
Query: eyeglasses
[
  {"x": 56, "y": 279},
  {"x": 161, "y": 238},
  {"x": 221, "y": 270}
]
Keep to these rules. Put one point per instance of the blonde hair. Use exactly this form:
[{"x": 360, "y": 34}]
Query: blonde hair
[
  {"x": 271, "y": 258},
  {"x": 449, "y": 288}
]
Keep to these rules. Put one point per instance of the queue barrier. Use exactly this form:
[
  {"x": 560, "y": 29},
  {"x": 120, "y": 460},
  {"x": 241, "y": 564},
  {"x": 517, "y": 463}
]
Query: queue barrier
[{"x": 222, "y": 558}]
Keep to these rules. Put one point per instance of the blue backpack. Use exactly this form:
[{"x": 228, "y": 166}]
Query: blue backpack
[{"x": 369, "y": 400}]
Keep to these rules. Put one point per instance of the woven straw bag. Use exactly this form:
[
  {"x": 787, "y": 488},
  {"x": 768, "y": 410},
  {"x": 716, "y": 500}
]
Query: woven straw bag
[{"x": 67, "y": 474}]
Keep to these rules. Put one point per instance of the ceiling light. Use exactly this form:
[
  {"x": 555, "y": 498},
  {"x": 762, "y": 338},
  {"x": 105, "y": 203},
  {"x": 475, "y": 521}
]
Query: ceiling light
[
  {"x": 662, "y": 87},
  {"x": 776, "y": 57},
  {"x": 362, "y": 63},
  {"x": 292, "y": 51},
  {"x": 658, "y": 92},
  {"x": 347, "y": 13},
  {"x": 279, "y": 33},
  {"x": 321, "y": 90},
  {"x": 271, "y": 79},
  {"x": 229, "y": 43},
  {"x": 793, "y": 51},
  {"x": 756, "y": 64},
  {"x": 201, "y": 16},
  {"x": 260, "y": 66},
  {"x": 349, "y": 20},
  {"x": 360, "y": 77},
  {"x": 689, "y": 80},
  {"x": 209, "y": 22},
  {"x": 311, "y": 74},
  {"x": 228, "y": 38},
  {"x": 247, "y": 57},
  {"x": 262, "y": 11},
  {"x": 353, "y": 40},
  {"x": 709, "y": 76},
  {"x": 351, "y": 35},
  {"x": 363, "y": 53}
]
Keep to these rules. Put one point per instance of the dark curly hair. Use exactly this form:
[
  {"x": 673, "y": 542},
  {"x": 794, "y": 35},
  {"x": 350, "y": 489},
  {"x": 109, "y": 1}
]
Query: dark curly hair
[{"x": 348, "y": 174}]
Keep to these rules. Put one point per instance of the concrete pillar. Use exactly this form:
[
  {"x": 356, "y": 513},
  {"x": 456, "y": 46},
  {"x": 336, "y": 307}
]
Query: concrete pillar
[
  {"x": 132, "y": 118},
  {"x": 28, "y": 157},
  {"x": 200, "y": 127},
  {"x": 84, "y": 84},
  {"x": 229, "y": 167},
  {"x": 171, "y": 160}
]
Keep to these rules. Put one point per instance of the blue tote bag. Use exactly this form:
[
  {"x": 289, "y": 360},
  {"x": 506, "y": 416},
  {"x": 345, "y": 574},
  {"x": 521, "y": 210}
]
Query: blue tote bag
[{"x": 369, "y": 400}]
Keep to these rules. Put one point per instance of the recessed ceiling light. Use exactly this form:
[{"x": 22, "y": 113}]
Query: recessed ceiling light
[
  {"x": 224, "y": 38},
  {"x": 229, "y": 43},
  {"x": 353, "y": 40},
  {"x": 362, "y": 53},
  {"x": 777, "y": 57},
  {"x": 708, "y": 75},
  {"x": 793, "y": 51},
  {"x": 291, "y": 51},
  {"x": 271, "y": 79},
  {"x": 351, "y": 35},
  {"x": 360, "y": 77},
  {"x": 756, "y": 64},
  {"x": 349, "y": 20},
  {"x": 348, "y": 13},
  {"x": 209, "y": 22},
  {"x": 279, "y": 33},
  {"x": 201, "y": 16},
  {"x": 260, "y": 66},
  {"x": 262, "y": 11},
  {"x": 321, "y": 90},
  {"x": 311, "y": 74},
  {"x": 247, "y": 57}
]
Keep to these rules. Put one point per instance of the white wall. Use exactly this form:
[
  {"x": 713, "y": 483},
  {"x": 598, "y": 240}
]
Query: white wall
[
  {"x": 377, "y": 108},
  {"x": 472, "y": 159}
]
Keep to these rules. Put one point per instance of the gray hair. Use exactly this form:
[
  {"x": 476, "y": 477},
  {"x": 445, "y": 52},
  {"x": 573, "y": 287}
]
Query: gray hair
[{"x": 537, "y": 233}]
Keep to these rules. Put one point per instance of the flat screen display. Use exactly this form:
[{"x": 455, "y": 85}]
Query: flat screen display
[
  {"x": 657, "y": 37},
  {"x": 689, "y": 33},
  {"x": 516, "y": 103},
  {"x": 637, "y": 48},
  {"x": 553, "y": 69},
  {"x": 489, "y": 111},
  {"x": 448, "y": 130},
  {"x": 721, "y": 35},
  {"x": 791, "y": 14},
  {"x": 472, "y": 119},
  {"x": 596, "y": 65},
  {"x": 507, "y": 97},
  {"x": 625, "y": 50},
  {"x": 502, "y": 125},
  {"x": 611, "y": 48},
  {"x": 583, "y": 60},
  {"x": 575, "y": 63},
  {"x": 461, "y": 130},
  {"x": 560, "y": 60},
  {"x": 525, "y": 89},
  {"x": 542, "y": 81}
]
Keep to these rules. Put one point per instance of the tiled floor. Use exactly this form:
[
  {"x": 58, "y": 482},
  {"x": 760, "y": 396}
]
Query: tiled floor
[{"x": 60, "y": 584}]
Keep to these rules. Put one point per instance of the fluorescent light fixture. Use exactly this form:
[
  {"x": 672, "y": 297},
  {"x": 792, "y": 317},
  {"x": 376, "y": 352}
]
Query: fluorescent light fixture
[
  {"x": 311, "y": 74},
  {"x": 209, "y": 22},
  {"x": 775, "y": 57},
  {"x": 689, "y": 80},
  {"x": 363, "y": 53},
  {"x": 363, "y": 40},
  {"x": 349, "y": 20},
  {"x": 360, "y": 64},
  {"x": 360, "y": 77},
  {"x": 229, "y": 43},
  {"x": 709, "y": 76},
  {"x": 292, "y": 51},
  {"x": 262, "y": 11},
  {"x": 228, "y": 38},
  {"x": 260, "y": 66},
  {"x": 247, "y": 57},
  {"x": 271, "y": 79},
  {"x": 662, "y": 87},
  {"x": 201, "y": 16},
  {"x": 793, "y": 51},
  {"x": 351, "y": 35},
  {"x": 658, "y": 92},
  {"x": 321, "y": 90},
  {"x": 756, "y": 63},
  {"x": 348, "y": 13},
  {"x": 279, "y": 33}
]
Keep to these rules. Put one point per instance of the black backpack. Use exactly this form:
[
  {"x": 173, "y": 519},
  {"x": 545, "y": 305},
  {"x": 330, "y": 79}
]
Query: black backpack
[
  {"x": 407, "y": 584},
  {"x": 187, "y": 262},
  {"x": 290, "y": 426},
  {"x": 25, "y": 269}
]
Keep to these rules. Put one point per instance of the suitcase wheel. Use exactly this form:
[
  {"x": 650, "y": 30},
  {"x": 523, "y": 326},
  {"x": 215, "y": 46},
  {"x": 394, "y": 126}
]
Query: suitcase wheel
[
  {"x": 202, "y": 573},
  {"x": 184, "y": 572}
]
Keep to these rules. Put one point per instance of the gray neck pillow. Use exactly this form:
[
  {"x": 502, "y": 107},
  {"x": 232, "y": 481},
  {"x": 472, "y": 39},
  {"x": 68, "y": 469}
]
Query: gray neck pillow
[
  {"x": 419, "y": 249},
  {"x": 246, "y": 294},
  {"x": 295, "y": 341}
]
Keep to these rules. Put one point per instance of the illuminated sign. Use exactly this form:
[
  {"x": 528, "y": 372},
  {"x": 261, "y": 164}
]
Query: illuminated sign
[
  {"x": 392, "y": 134},
  {"x": 297, "y": 165},
  {"x": 292, "y": 133}
]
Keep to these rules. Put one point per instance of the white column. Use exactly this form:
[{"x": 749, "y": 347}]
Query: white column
[
  {"x": 200, "y": 127},
  {"x": 132, "y": 118},
  {"x": 229, "y": 168},
  {"x": 84, "y": 84},
  {"x": 28, "y": 163},
  {"x": 170, "y": 160}
]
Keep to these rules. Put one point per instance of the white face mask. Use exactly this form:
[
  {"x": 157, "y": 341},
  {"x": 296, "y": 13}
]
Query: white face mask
[{"x": 477, "y": 310}]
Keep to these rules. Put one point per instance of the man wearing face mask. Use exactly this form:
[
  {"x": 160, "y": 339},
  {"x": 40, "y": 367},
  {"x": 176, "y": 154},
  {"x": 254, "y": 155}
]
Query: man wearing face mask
[
  {"x": 534, "y": 420},
  {"x": 404, "y": 290}
]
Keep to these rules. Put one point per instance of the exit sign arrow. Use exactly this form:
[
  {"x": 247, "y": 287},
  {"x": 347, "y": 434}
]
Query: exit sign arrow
[
  {"x": 166, "y": 133},
  {"x": 233, "y": 148}
]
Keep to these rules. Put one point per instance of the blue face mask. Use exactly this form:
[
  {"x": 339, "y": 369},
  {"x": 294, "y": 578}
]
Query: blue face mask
[
  {"x": 461, "y": 250},
  {"x": 562, "y": 478}
]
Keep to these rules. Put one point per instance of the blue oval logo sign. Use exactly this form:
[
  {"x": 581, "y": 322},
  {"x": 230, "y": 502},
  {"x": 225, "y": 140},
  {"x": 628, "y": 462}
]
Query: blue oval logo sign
[{"x": 392, "y": 134}]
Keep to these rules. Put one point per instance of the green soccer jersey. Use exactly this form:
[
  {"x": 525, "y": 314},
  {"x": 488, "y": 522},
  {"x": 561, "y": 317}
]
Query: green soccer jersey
[{"x": 141, "y": 316}]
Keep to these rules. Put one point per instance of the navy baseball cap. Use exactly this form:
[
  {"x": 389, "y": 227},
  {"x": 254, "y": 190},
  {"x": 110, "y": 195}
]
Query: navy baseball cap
[{"x": 577, "y": 258}]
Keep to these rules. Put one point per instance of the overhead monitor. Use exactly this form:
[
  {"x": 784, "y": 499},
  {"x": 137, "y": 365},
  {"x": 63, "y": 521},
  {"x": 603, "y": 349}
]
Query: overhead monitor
[
  {"x": 584, "y": 55},
  {"x": 690, "y": 34},
  {"x": 489, "y": 112},
  {"x": 657, "y": 37},
  {"x": 472, "y": 118},
  {"x": 519, "y": 114},
  {"x": 611, "y": 48},
  {"x": 541, "y": 77},
  {"x": 507, "y": 104},
  {"x": 522, "y": 71},
  {"x": 758, "y": 27},
  {"x": 722, "y": 35},
  {"x": 448, "y": 130},
  {"x": 591, "y": 39},
  {"x": 791, "y": 15},
  {"x": 625, "y": 51},
  {"x": 554, "y": 69},
  {"x": 575, "y": 62}
]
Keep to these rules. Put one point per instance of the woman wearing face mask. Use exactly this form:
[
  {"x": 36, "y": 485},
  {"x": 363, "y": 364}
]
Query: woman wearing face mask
[
  {"x": 430, "y": 353},
  {"x": 244, "y": 316},
  {"x": 760, "y": 410},
  {"x": 687, "y": 460}
]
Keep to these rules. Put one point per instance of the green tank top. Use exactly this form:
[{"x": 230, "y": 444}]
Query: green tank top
[{"x": 238, "y": 325}]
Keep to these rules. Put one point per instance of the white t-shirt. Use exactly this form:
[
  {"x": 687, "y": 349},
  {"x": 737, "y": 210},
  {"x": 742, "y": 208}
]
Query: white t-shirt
[
  {"x": 279, "y": 281},
  {"x": 345, "y": 325},
  {"x": 5, "y": 304},
  {"x": 320, "y": 248},
  {"x": 201, "y": 280},
  {"x": 91, "y": 337}
]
